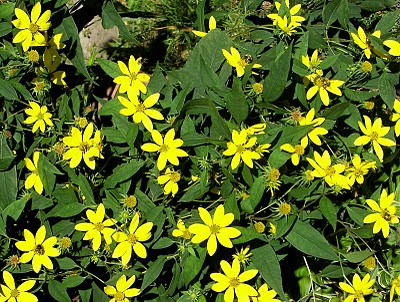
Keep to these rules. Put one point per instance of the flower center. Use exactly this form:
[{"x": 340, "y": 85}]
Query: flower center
[
  {"x": 140, "y": 108},
  {"x": 33, "y": 28},
  {"x": 214, "y": 229},
  {"x": 39, "y": 249},
  {"x": 374, "y": 136},
  {"x": 132, "y": 76},
  {"x": 358, "y": 294},
  {"x": 285, "y": 208},
  {"x": 39, "y": 116},
  {"x": 84, "y": 147},
  {"x": 99, "y": 226},
  {"x": 386, "y": 215},
  {"x": 132, "y": 239},
  {"x": 186, "y": 234},
  {"x": 175, "y": 176},
  {"x": 274, "y": 174},
  {"x": 164, "y": 148},
  {"x": 14, "y": 293},
  {"x": 39, "y": 86},
  {"x": 330, "y": 171},
  {"x": 240, "y": 149},
  {"x": 322, "y": 82},
  {"x": 234, "y": 282},
  {"x": 358, "y": 173},
  {"x": 119, "y": 296},
  {"x": 243, "y": 62},
  {"x": 299, "y": 150}
]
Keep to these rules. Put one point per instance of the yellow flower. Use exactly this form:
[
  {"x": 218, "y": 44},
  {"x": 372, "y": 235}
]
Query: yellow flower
[
  {"x": 395, "y": 287},
  {"x": 235, "y": 60},
  {"x": 285, "y": 208},
  {"x": 331, "y": 173},
  {"x": 370, "y": 263},
  {"x": 212, "y": 24},
  {"x": 374, "y": 133},
  {"x": 256, "y": 129},
  {"x": 260, "y": 227},
  {"x": 358, "y": 289},
  {"x": 33, "y": 179},
  {"x": 258, "y": 88},
  {"x": 240, "y": 147},
  {"x": 395, "y": 117},
  {"x": 385, "y": 213},
  {"x": 273, "y": 181},
  {"x": 170, "y": 181},
  {"x": 38, "y": 249},
  {"x": 286, "y": 27},
  {"x": 265, "y": 295},
  {"x": 313, "y": 63},
  {"x": 272, "y": 228},
  {"x": 52, "y": 60},
  {"x": 297, "y": 151},
  {"x": 97, "y": 227},
  {"x": 394, "y": 47},
  {"x": 214, "y": 228},
  {"x": 243, "y": 256},
  {"x": 323, "y": 85},
  {"x": 39, "y": 116},
  {"x": 122, "y": 291},
  {"x": 182, "y": 231},
  {"x": 232, "y": 282},
  {"x": 132, "y": 79},
  {"x": 141, "y": 112},
  {"x": 82, "y": 146},
  {"x": 363, "y": 42},
  {"x": 168, "y": 147},
  {"x": 132, "y": 241},
  {"x": 293, "y": 11},
  {"x": 316, "y": 131},
  {"x": 359, "y": 169},
  {"x": 31, "y": 28},
  {"x": 11, "y": 293}
]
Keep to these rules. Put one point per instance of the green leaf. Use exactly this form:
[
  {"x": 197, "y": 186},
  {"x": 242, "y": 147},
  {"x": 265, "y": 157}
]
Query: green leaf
[
  {"x": 266, "y": 261},
  {"x": 85, "y": 188},
  {"x": 193, "y": 265},
  {"x": 236, "y": 102},
  {"x": 330, "y": 13},
  {"x": 122, "y": 173},
  {"x": 58, "y": 291},
  {"x": 66, "y": 210},
  {"x": 343, "y": 13},
  {"x": 5, "y": 28},
  {"x": 256, "y": 192},
  {"x": 6, "y": 9},
  {"x": 329, "y": 211},
  {"x": 74, "y": 50},
  {"x": 357, "y": 257},
  {"x": 98, "y": 294},
  {"x": 8, "y": 179},
  {"x": 308, "y": 240},
  {"x": 15, "y": 209},
  {"x": 111, "y": 18},
  {"x": 335, "y": 271},
  {"x": 47, "y": 173},
  {"x": 387, "y": 22},
  {"x": 387, "y": 90},
  {"x": 357, "y": 214},
  {"x": 7, "y": 90},
  {"x": 66, "y": 263},
  {"x": 376, "y": 5},
  {"x": 153, "y": 272},
  {"x": 6, "y": 156},
  {"x": 275, "y": 82},
  {"x": 109, "y": 67},
  {"x": 336, "y": 111},
  {"x": 22, "y": 90}
]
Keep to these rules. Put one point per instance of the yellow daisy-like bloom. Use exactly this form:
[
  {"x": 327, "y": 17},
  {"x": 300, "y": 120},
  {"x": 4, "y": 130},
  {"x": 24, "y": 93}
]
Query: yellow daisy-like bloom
[
  {"x": 331, "y": 173},
  {"x": 31, "y": 28},
  {"x": 395, "y": 117},
  {"x": 243, "y": 256},
  {"x": 363, "y": 42},
  {"x": 235, "y": 60},
  {"x": 395, "y": 287},
  {"x": 214, "y": 228},
  {"x": 38, "y": 116},
  {"x": 11, "y": 293},
  {"x": 182, "y": 231},
  {"x": 293, "y": 11},
  {"x": 132, "y": 241},
  {"x": 322, "y": 86},
  {"x": 83, "y": 146},
  {"x": 141, "y": 112},
  {"x": 97, "y": 227},
  {"x": 358, "y": 289},
  {"x": 132, "y": 79},
  {"x": 312, "y": 65},
  {"x": 168, "y": 147},
  {"x": 232, "y": 282},
  {"x": 33, "y": 179},
  {"x": 170, "y": 181},
  {"x": 359, "y": 169},
  {"x": 394, "y": 47},
  {"x": 385, "y": 213},
  {"x": 265, "y": 295},
  {"x": 374, "y": 133},
  {"x": 297, "y": 151},
  {"x": 122, "y": 291},
  {"x": 241, "y": 149},
  {"x": 316, "y": 131},
  {"x": 256, "y": 129},
  {"x": 212, "y": 24},
  {"x": 38, "y": 249},
  {"x": 288, "y": 28}
]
